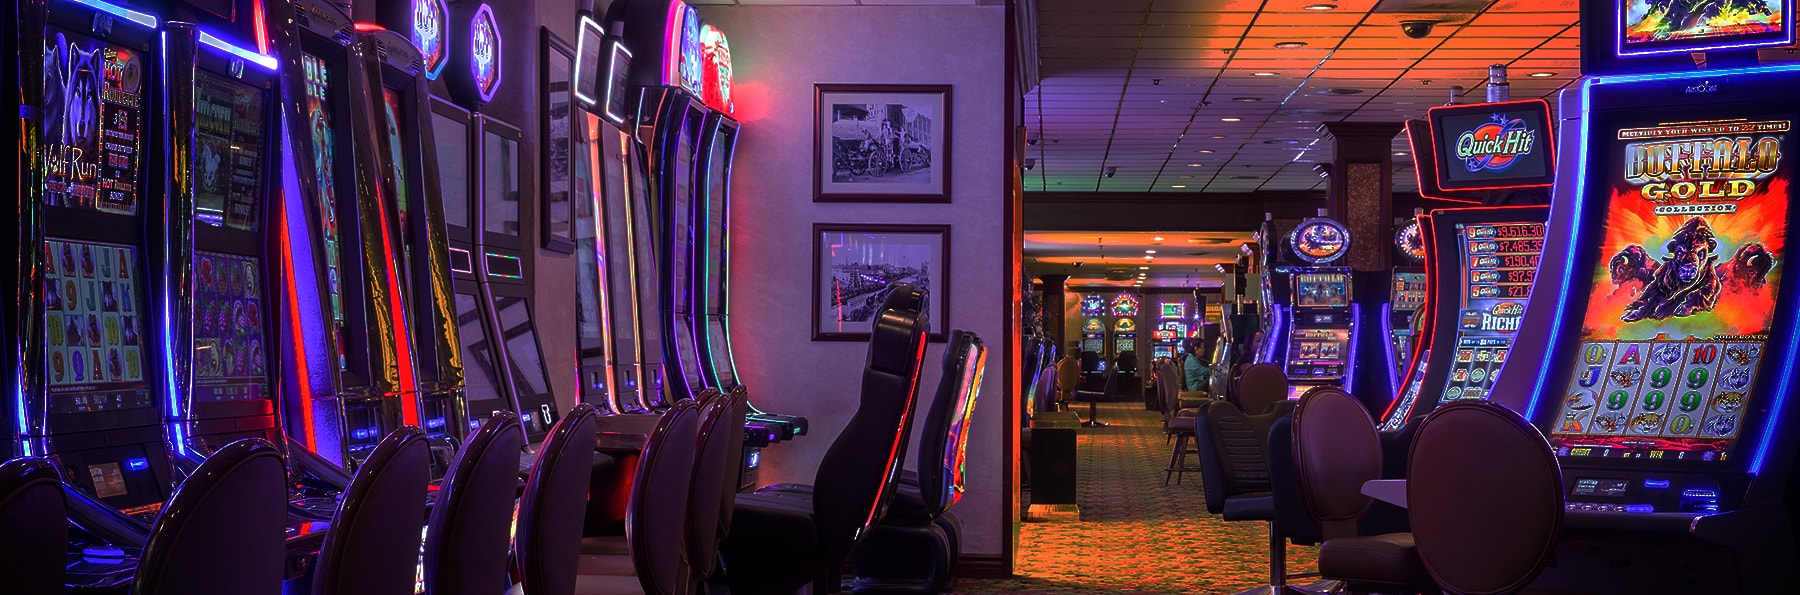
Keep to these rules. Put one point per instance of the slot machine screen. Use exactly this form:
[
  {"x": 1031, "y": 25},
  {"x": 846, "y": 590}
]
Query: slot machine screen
[
  {"x": 93, "y": 123},
  {"x": 499, "y": 183},
  {"x": 481, "y": 379},
  {"x": 531, "y": 383},
  {"x": 1321, "y": 290},
  {"x": 452, "y": 138},
  {"x": 94, "y": 328},
  {"x": 1499, "y": 262},
  {"x": 1684, "y": 286},
  {"x": 1408, "y": 292},
  {"x": 1124, "y": 344},
  {"x": 230, "y": 357},
  {"x": 320, "y": 114},
  {"x": 227, "y": 158}
]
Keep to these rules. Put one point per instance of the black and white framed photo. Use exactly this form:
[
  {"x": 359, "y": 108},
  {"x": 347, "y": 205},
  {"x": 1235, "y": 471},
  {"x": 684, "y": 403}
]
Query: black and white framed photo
[
  {"x": 881, "y": 143},
  {"x": 856, "y": 265},
  {"x": 558, "y": 112}
]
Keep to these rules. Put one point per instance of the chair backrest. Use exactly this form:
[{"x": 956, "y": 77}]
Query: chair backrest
[
  {"x": 469, "y": 533},
  {"x": 1090, "y": 362},
  {"x": 1291, "y": 517},
  {"x": 224, "y": 530},
  {"x": 718, "y": 451},
  {"x": 1476, "y": 455},
  {"x": 1261, "y": 386},
  {"x": 373, "y": 545},
  {"x": 857, "y": 474},
  {"x": 656, "y": 516},
  {"x": 1231, "y": 453},
  {"x": 547, "y": 536},
  {"x": 1336, "y": 449},
  {"x": 946, "y": 433},
  {"x": 32, "y": 513},
  {"x": 1046, "y": 388},
  {"x": 1127, "y": 361},
  {"x": 1168, "y": 386},
  {"x": 1068, "y": 377}
]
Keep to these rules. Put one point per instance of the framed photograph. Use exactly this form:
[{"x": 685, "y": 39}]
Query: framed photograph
[
  {"x": 557, "y": 214},
  {"x": 855, "y": 266},
  {"x": 881, "y": 143}
]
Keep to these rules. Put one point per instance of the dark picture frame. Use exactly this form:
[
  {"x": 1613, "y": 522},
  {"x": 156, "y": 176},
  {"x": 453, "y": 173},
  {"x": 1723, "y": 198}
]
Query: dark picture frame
[
  {"x": 558, "y": 127},
  {"x": 881, "y": 143},
  {"x": 855, "y": 251}
]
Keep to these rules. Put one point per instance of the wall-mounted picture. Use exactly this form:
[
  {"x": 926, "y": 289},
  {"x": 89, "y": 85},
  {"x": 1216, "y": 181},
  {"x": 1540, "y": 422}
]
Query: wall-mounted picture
[
  {"x": 855, "y": 266},
  {"x": 881, "y": 143}
]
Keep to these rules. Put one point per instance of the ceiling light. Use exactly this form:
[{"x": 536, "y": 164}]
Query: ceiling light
[
  {"x": 1290, "y": 44},
  {"x": 1203, "y": 150},
  {"x": 1214, "y": 136},
  {"x": 1247, "y": 99},
  {"x": 1178, "y": 186},
  {"x": 1231, "y": 119},
  {"x": 1149, "y": 251},
  {"x": 1143, "y": 268},
  {"x": 1541, "y": 74},
  {"x": 1156, "y": 239},
  {"x": 1184, "y": 177},
  {"x": 1193, "y": 165},
  {"x": 1399, "y": 153},
  {"x": 1262, "y": 74},
  {"x": 1148, "y": 257},
  {"x": 1320, "y": 6},
  {"x": 1281, "y": 141}
]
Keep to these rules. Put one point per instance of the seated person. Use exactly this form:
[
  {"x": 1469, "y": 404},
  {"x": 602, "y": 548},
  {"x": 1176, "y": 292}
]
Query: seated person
[{"x": 1199, "y": 373}]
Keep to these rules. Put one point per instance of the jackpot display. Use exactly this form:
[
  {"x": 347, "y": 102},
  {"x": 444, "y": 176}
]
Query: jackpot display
[
  {"x": 1678, "y": 319},
  {"x": 228, "y": 160},
  {"x": 1499, "y": 263}
]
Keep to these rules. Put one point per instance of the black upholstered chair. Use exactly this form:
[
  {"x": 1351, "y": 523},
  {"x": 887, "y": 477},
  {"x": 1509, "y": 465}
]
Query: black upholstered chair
[
  {"x": 469, "y": 534},
  {"x": 372, "y": 547},
  {"x": 31, "y": 517},
  {"x": 1093, "y": 398},
  {"x": 855, "y": 479},
  {"x": 223, "y": 533},
  {"x": 1480, "y": 456},
  {"x": 547, "y": 537},
  {"x": 1336, "y": 449},
  {"x": 656, "y": 517},
  {"x": 1234, "y": 463}
]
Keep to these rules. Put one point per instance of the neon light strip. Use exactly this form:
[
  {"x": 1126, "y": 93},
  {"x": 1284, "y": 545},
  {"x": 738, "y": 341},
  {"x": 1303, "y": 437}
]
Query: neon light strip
[
  {"x": 467, "y": 256},
  {"x": 1350, "y": 364},
  {"x": 1387, "y": 336},
  {"x": 612, "y": 67},
  {"x": 672, "y": 43},
  {"x": 587, "y": 25},
  {"x": 265, "y": 61},
  {"x": 147, "y": 20},
  {"x": 511, "y": 258}
]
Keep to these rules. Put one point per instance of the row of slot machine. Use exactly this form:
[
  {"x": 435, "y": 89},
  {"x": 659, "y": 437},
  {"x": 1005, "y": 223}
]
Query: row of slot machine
[
  {"x": 1644, "y": 312},
  {"x": 292, "y": 221}
]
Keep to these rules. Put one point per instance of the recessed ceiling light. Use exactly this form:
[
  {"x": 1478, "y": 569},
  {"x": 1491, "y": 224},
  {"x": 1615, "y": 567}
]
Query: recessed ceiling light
[
  {"x": 1203, "y": 150},
  {"x": 1184, "y": 177},
  {"x": 1231, "y": 119},
  {"x": 1262, "y": 74},
  {"x": 1214, "y": 136},
  {"x": 1149, "y": 251},
  {"x": 1320, "y": 6},
  {"x": 1143, "y": 268},
  {"x": 1193, "y": 165},
  {"x": 1178, "y": 186},
  {"x": 1148, "y": 257},
  {"x": 1247, "y": 99},
  {"x": 1290, "y": 44},
  {"x": 1542, "y": 74},
  {"x": 1399, "y": 153},
  {"x": 1156, "y": 239}
]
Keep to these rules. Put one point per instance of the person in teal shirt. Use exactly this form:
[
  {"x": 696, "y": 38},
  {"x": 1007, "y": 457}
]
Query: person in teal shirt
[{"x": 1197, "y": 372}]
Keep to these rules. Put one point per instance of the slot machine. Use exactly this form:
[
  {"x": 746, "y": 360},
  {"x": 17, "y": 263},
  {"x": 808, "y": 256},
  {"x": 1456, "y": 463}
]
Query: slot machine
[
  {"x": 1171, "y": 329},
  {"x": 1321, "y": 312},
  {"x": 407, "y": 159},
  {"x": 355, "y": 378},
  {"x": 1482, "y": 260},
  {"x": 1662, "y": 374},
  {"x": 1406, "y": 294}
]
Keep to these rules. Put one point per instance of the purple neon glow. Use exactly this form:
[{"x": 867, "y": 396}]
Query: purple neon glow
[{"x": 484, "y": 52}]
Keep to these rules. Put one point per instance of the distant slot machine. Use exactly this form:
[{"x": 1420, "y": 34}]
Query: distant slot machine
[
  {"x": 1321, "y": 313},
  {"x": 1406, "y": 294},
  {"x": 1093, "y": 335}
]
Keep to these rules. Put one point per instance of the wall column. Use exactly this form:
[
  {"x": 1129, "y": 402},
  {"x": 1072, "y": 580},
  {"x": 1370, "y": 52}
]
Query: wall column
[
  {"x": 1360, "y": 192},
  {"x": 1053, "y": 308}
]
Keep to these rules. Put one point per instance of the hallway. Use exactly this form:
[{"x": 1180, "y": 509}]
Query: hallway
[{"x": 1137, "y": 536}]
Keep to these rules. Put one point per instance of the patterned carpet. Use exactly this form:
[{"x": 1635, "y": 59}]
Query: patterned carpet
[{"x": 1136, "y": 536}]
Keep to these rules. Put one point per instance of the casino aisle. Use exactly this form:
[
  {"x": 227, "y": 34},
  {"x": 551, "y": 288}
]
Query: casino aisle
[{"x": 1137, "y": 536}]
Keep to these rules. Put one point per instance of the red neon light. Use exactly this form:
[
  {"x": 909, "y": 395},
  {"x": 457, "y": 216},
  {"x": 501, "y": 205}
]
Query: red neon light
[
  {"x": 366, "y": 27},
  {"x": 1549, "y": 143},
  {"x": 1423, "y": 339},
  {"x": 409, "y": 407},
  {"x": 1419, "y": 172},
  {"x": 672, "y": 43},
  {"x": 912, "y": 394},
  {"x": 259, "y": 27},
  {"x": 303, "y": 378}
]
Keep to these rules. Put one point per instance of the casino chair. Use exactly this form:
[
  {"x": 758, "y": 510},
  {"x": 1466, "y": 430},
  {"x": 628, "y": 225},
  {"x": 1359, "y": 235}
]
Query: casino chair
[
  {"x": 856, "y": 477},
  {"x": 1068, "y": 378},
  {"x": 546, "y": 538},
  {"x": 1336, "y": 449},
  {"x": 1234, "y": 465},
  {"x": 653, "y": 561},
  {"x": 1485, "y": 498},
  {"x": 372, "y": 547},
  {"x": 1093, "y": 399},
  {"x": 32, "y": 556},
  {"x": 224, "y": 531},
  {"x": 1261, "y": 387},
  {"x": 469, "y": 533},
  {"x": 1178, "y": 421}
]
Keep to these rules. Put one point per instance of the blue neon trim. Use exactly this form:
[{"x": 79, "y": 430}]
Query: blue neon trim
[
  {"x": 1387, "y": 337},
  {"x": 267, "y": 62},
  {"x": 1697, "y": 74},
  {"x": 147, "y": 20},
  {"x": 1781, "y": 390},
  {"x": 1562, "y": 287}
]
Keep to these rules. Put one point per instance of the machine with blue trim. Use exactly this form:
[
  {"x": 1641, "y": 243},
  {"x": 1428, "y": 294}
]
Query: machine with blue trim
[
  {"x": 1661, "y": 376},
  {"x": 1317, "y": 345}
]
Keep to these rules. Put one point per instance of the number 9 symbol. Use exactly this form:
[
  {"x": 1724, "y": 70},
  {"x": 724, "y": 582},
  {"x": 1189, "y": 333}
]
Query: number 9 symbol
[
  {"x": 1617, "y": 400},
  {"x": 1660, "y": 378},
  {"x": 1697, "y": 378}
]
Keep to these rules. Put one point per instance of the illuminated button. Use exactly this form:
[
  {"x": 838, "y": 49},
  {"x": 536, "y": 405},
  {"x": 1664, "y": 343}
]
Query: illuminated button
[{"x": 137, "y": 464}]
